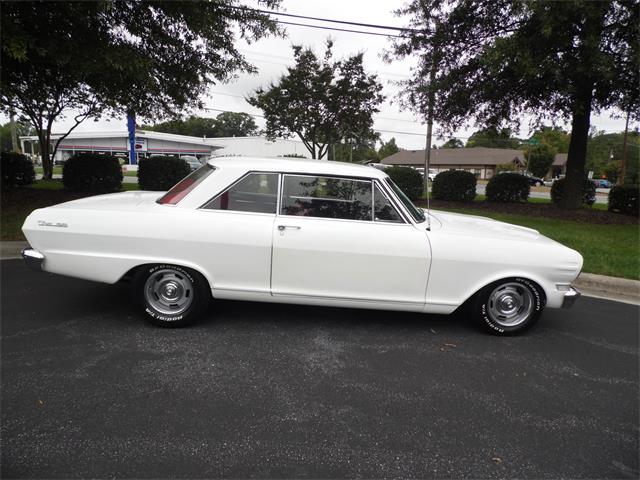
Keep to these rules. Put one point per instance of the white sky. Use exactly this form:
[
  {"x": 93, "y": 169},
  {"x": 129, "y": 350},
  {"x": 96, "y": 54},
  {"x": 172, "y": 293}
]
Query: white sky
[{"x": 272, "y": 55}]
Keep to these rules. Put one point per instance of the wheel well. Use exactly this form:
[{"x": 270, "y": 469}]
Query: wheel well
[
  {"x": 132, "y": 272},
  {"x": 472, "y": 297}
]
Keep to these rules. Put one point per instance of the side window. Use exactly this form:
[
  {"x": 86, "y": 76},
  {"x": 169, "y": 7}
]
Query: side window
[
  {"x": 326, "y": 197},
  {"x": 384, "y": 210},
  {"x": 256, "y": 192}
]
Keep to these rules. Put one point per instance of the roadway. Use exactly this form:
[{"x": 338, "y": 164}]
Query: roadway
[{"x": 265, "y": 390}]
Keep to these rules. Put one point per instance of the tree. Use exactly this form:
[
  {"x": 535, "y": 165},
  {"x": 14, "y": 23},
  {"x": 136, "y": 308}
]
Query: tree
[
  {"x": 232, "y": 124},
  {"x": 22, "y": 128},
  {"x": 354, "y": 151},
  {"x": 492, "y": 137},
  {"x": 554, "y": 137},
  {"x": 499, "y": 59},
  {"x": 227, "y": 124},
  {"x": 323, "y": 102},
  {"x": 388, "y": 148},
  {"x": 153, "y": 59},
  {"x": 539, "y": 159},
  {"x": 453, "y": 143}
]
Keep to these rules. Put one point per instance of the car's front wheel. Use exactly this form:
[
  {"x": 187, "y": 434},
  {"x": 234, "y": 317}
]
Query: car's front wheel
[
  {"x": 509, "y": 306},
  {"x": 170, "y": 295}
]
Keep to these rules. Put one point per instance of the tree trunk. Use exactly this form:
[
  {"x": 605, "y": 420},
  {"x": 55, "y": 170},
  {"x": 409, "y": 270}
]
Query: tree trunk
[
  {"x": 45, "y": 152},
  {"x": 577, "y": 156}
]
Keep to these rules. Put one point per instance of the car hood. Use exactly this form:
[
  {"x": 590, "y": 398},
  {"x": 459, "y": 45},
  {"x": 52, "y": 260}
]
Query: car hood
[{"x": 478, "y": 226}]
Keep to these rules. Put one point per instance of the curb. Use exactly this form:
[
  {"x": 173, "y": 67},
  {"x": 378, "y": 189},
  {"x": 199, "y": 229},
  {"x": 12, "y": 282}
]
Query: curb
[{"x": 590, "y": 284}]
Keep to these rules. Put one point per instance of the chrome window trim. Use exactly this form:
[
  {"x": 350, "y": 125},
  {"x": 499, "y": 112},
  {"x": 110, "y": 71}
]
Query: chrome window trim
[
  {"x": 391, "y": 201},
  {"x": 399, "y": 202},
  {"x": 399, "y": 206},
  {"x": 339, "y": 177},
  {"x": 231, "y": 185}
]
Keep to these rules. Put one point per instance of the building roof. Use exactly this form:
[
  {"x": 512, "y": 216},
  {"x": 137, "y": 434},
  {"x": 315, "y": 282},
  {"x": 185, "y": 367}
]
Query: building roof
[
  {"x": 560, "y": 159},
  {"x": 457, "y": 156},
  {"x": 297, "y": 165}
]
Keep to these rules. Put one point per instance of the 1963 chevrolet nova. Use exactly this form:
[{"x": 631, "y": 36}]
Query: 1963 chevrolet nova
[{"x": 301, "y": 231}]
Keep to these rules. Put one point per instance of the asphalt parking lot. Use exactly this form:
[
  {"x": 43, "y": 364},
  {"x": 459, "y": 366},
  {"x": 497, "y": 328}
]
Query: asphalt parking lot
[{"x": 255, "y": 390}]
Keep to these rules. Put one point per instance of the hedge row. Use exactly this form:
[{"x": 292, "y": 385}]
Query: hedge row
[
  {"x": 588, "y": 191},
  {"x": 454, "y": 185},
  {"x": 16, "y": 170},
  {"x": 92, "y": 172},
  {"x": 408, "y": 179},
  {"x": 161, "y": 173},
  {"x": 508, "y": 188},
  {"x": 624, "y": 199}
]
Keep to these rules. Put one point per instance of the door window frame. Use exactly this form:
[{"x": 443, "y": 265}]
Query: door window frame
[{"x": 234, "y": 183}]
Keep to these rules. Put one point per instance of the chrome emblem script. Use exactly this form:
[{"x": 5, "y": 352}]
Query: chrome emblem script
[{"x": 42, "y": 223}]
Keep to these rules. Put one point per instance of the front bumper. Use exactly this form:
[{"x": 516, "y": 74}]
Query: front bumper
[
  {"x": 33, "y": 258},
  {"x": 570, "y": 297}
]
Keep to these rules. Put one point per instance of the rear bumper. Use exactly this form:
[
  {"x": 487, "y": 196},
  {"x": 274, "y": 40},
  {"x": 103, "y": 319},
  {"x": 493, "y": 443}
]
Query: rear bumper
[
  {"x": 33, "y": 258},
  {"x": 570, "y": 297}
]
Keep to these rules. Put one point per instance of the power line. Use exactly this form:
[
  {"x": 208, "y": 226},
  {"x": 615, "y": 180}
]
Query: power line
[
  {"x": 320, "y": 27},
  {"x": 342, "y": 22}
]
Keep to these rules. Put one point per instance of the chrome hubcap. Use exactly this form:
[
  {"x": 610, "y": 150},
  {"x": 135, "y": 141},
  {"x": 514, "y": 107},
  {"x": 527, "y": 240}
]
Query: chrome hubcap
[
  {"x": 169, "y": 292},
  {"x": 510, "y": 304}
]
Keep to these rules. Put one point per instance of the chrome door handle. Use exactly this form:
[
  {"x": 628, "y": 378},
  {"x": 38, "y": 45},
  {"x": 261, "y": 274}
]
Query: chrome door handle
[{"x": 283, "y": 227}]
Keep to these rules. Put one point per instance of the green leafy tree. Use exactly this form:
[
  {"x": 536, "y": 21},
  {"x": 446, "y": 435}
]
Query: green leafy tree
[
  {"x": 322, "y": 101},
  {"x": 539, "y": 159},
  {"x": 494, "y": 60},
  {"x": 453, "y": 143},
  {"x": 356, "y": 151},
  {"x": 387, "y": 149},
  {"x": 232, "y": 124},
  {"x": 22, "y": 128},
  {"x": 554, "y": 137},
  {"x": 152, "y": 59},
  {"x": 492, "y": 137}
]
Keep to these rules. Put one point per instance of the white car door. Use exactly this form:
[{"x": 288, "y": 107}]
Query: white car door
[{"x": 341, "y": 238}]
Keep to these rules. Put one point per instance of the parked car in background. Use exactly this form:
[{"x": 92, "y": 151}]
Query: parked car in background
[
  {"x": 301, "y": 231},
  {"x": 533, "y": 180},
  {"x": 602, "y": 183},
  {"x": 193, "y": 162}
]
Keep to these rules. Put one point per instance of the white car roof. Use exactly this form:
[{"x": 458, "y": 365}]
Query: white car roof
[{"x": 296, "y": 165}]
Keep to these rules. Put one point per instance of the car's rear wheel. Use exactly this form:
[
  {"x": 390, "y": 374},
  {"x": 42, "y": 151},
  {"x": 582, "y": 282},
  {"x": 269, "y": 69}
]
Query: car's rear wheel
[
  {"x": 170, "y": 295},
  {"x": 509, "y": 306}
]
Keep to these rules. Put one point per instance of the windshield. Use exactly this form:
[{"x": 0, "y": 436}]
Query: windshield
[{"x": 416, "y": 213}]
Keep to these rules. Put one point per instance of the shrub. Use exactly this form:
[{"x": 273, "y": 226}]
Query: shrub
[
  {"x": 588, "y": 191},
  {"x": 408, "y": 179},
  {"x": 507, "y": 188},
  {"x": 161, "y": 173},
  {"x": 455, "y": 185},
  {"x": 92, "y": 172},
  {"x": 16, "y": 169},
  {"x": 624, "y": 199}
]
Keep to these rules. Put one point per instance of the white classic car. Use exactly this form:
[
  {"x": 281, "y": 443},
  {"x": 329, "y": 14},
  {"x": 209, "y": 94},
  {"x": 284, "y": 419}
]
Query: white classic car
[{"x": 301, "y": 231}]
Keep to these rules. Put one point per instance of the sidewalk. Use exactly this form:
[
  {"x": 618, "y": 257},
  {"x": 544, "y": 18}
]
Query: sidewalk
[{"x": 590, "y": 284}]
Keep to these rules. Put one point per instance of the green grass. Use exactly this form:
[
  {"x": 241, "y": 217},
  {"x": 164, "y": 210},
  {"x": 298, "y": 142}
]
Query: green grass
[
  {"x": 130, "y": 174},
  {"x": 56, "y": 170},
  {"x": 612, "y": 250},
  {"x": 56, "y": 184}
]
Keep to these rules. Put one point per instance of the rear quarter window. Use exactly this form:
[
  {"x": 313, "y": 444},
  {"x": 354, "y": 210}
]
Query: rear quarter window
[{"x": 186, "y": 185}]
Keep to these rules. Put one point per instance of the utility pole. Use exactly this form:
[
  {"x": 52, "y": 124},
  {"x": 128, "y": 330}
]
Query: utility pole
[
  {"x": 623, "y": 169},
  {"x": 430, "y": 106}
]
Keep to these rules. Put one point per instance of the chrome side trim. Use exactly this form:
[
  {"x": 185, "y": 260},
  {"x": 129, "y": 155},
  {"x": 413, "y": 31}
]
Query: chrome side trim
[
  {"x": 570, "y": 297},
  {"x": 33, "y": 258}
]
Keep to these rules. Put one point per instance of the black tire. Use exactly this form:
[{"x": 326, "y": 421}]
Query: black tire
[
  {"x": 155, "y": 287},
  {"x": 509, "y": 306}
]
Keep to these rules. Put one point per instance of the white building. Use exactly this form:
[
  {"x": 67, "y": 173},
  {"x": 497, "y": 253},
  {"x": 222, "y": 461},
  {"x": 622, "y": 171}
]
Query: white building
[
  {"x": 259, "y": 146},
  {"x": 150, "y": 143},
  {"x": 117, "y": 143}
]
